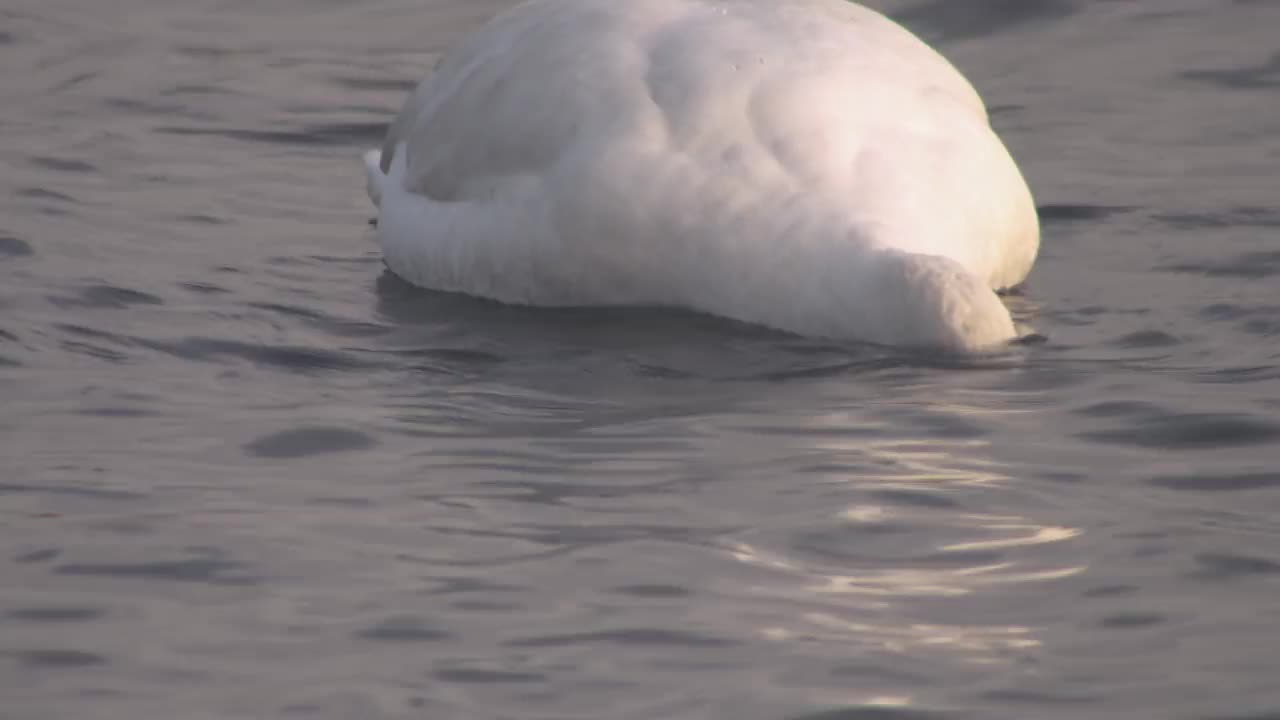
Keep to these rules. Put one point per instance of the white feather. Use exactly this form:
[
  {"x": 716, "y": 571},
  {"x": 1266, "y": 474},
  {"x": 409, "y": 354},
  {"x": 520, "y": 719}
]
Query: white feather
[{"x": 807, "y": 165}]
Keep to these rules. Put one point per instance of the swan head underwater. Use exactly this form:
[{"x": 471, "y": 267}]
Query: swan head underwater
[{"x": 809, "y": 166}]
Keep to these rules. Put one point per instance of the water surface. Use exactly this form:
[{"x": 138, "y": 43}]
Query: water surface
[{"x": 247, "y": 473}]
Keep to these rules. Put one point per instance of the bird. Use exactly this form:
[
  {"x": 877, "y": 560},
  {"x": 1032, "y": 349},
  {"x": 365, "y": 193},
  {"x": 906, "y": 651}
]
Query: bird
[{"x": 810, "y": 166}]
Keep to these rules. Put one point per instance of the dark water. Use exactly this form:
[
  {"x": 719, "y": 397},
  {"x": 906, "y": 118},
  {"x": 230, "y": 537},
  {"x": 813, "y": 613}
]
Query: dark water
[{"x": 245, "y": 473}]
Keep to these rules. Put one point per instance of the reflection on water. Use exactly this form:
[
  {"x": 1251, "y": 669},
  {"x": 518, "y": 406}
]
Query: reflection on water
[{"x": 850, "y": 580}]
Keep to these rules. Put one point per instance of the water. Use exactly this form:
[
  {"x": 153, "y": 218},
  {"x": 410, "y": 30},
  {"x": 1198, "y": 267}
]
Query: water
[{"x": 245, "y": 473}]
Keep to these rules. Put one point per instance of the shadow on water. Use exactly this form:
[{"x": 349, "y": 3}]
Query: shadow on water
[{"x": 654, "y": 343}]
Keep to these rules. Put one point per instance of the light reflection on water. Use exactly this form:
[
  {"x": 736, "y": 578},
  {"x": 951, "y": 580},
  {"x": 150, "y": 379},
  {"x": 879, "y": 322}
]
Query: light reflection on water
[{"x": 881, "y": 609}]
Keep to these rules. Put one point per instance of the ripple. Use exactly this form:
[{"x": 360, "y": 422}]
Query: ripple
[
  {"x": 40, "y": 193},
  {"x": 89, "y": 342},
  {"x": 1264, "y": 715},
  {"x": 487, "y": 606},
  {"x": 914, "y": 498},
  {"x": 401, "y": 630},
  {"x": 1255, "y": 217},
  {"x": 12, "y": 247},
  {"x": 1248, "y": 266},
  {"x": 379, "y": 84},
  {"x": 56, "y": 659},
  {"x": 1245, "y": 374},
  {"x": 308, "y": 442},
  {"x": 1120, "y": 408},
  {"x": 55, "y": 488},
  {"x": 950, "y": 21},
  {"x": 626, "y": 637},
  {"x": 152, "y": 106},
  {"x": 365, "y": 134},
  {"x": 1103, "y": 591},
  {"x": 203, "y": 52},
  {"x": 888, "y": 559},
  {"x": 210, "y": 570},
  {"x": 1145, "y": 340},
  {"x": 1230, "y": 312},
  {"x": 453, "y": 356},
  {"x": 106, "y": 297},
  {"x": 1053, "y": 214},
  {"x": 62, "y": 164},
  {"x": 1206, "y": 482},
  {"x": 93, "y": 350},
  {"x": 1262, "y": 76},
  {"x": 451, "y": 585},
  {"x": 654, "y": 591},
  {"x": 290, "y": 357},
  {"x": 1230, "y": 566},
  {"x": 116, "y": 412},
  {"x": 1131, "y": 620},
  {"x": 873, "y": 712},
  {"x": 1259, "y": 320},
  {"x": 1038, "y": 697},
  {"x": 203, "y": 219},
  {"x": 338, "y": 327},
  {"x": 473, "y": 676},
  {"x": 203, "y": 288},
  {"x": 1190, "y": 431},
  {"x": 1261, "y": 327},
  {"x": 33, "y": 557},
  {"x": 56, "y": 614}
]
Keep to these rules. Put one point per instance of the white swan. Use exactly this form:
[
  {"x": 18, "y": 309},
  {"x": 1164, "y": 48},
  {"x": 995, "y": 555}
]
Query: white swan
[{"x": 804, "y": 164}]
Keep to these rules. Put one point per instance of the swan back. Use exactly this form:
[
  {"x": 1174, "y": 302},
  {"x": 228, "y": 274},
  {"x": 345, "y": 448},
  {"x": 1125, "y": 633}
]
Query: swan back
[{"x": 807, "y": 165}]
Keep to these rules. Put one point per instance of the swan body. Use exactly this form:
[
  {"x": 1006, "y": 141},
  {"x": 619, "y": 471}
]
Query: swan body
[{"x": 806, "y": 165}]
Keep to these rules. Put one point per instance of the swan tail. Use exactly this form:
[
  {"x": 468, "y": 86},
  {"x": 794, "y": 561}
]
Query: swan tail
[{"x": 937, "y": 302}]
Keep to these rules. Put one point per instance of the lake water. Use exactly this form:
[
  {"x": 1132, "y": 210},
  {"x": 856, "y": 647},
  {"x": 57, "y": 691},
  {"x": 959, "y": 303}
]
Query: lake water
[{"x": 246, "y": 473}]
